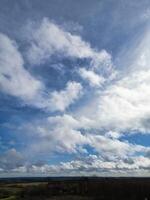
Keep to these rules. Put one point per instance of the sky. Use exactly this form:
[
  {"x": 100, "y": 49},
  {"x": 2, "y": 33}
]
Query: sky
[{"x": 74, "y": 88}]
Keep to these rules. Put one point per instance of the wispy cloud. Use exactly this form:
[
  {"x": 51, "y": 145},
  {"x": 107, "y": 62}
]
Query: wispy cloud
[
  {"x": 94, "y": 79},
  {"x": 49, "y": 39}
]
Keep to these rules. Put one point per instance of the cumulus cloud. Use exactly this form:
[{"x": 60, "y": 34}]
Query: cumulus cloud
[
  {"x": 120, "y": 107},
  {"x": 14, "y": 78},
  {"x": 91, "y": 165},
  {"x": 66, "y": 134},
  {"x": 10, "y": 159},
  {"x": 60, "y": 100},
  {"x": 123, "y": 106},
  {"x": 62, "y": 134},
  {"x": 17, "y": 81},
  {"x": 56, "y": 134},
  {"x": 99, "y": 164},
  {"x": 113, "y": 147}
]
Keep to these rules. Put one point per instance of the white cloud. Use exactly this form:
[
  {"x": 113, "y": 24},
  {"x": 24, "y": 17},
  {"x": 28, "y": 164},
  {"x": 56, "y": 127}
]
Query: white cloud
[
  {"x": 14, "y": 78},
  {"x": 90, "y": 165},
  {"x": 94, "y": 162},
  {"x": 112, "y": 148},
  {"x": 124, "y": 105},
  {"x": 121, "y": 107},
  {"x": 51, "y": 39},
  {"x": 66, "y": 134},
  {"x": 113, "y": 134},
  {"x": 62, "y": 134},
  {"x": 57, "y": 134},
  {"x": 60, "y": 100},
  {"x": 94, "y": 79}
]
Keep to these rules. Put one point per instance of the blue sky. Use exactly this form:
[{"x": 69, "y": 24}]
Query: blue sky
[{"x": 74, "y": 88}]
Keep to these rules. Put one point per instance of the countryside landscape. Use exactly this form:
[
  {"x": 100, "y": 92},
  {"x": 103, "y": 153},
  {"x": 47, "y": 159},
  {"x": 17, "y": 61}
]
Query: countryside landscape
[{"x": 74, "y": 99}]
